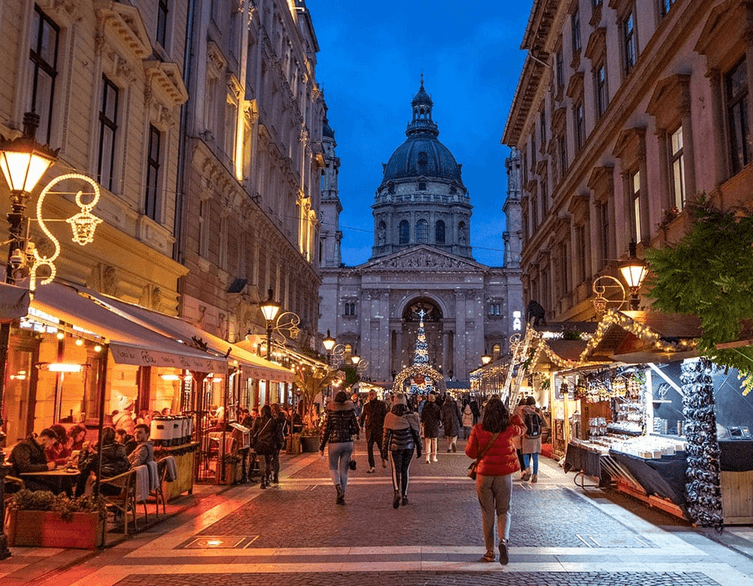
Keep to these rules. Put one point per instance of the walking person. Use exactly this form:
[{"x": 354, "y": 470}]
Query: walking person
[
  {"x": 264, "y": 441},
  {"x": 430, "y": 417},
  {"x": 340, "y": 425},
  {"x": 491, "y": 445},
  {"x": 451, "y": 423},
  {"x": 282, "y": 428},
  {"x": 372, "y": 419},
  {"x": 531, "y": 442},
  {"x": 467, "y": 420},
  {"x": 518, "y": 441},
  {"x": 401, "y": 437}
]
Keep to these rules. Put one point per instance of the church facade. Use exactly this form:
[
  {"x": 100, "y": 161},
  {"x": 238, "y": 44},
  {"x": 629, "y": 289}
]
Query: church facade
[{"x": 421, "y": 264}]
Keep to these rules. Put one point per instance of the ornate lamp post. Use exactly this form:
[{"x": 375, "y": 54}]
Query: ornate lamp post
[
  {"x": 329, "y": 343},
  {"x": 486, "y": 358},
  {"x": 634, "y": 271},
  {"x": 269, "y": 309}
]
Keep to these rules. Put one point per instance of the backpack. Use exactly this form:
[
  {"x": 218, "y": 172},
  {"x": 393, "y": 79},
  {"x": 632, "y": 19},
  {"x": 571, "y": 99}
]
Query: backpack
[{"x": 533, "y": 425}]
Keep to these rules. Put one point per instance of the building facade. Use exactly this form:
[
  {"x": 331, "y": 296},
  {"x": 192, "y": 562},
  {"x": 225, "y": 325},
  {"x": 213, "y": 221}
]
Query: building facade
[
  {"x": 253, "y": 157},
  {"x": 422, "y": 260},
  {"x": 625, "y": 111}
]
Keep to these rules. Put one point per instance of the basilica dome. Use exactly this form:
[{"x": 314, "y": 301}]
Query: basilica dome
[{"x": 422, "y": 154}]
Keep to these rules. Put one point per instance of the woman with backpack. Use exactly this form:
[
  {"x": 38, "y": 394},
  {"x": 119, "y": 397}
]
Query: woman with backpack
[{"x": 531, "y": 442}]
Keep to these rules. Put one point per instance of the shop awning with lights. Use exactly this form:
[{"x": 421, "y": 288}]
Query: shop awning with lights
[
  {"x": 130, "y": 343},
  {"x": 173, "y": 327}
]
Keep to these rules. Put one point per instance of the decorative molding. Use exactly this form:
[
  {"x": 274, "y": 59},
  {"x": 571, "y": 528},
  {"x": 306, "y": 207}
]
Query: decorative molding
[{"x": 126, "y": 26}]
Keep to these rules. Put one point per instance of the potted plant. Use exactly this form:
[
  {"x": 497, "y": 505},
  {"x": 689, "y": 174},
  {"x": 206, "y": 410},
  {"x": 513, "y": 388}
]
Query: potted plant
[{"x": 43, "y": 519}]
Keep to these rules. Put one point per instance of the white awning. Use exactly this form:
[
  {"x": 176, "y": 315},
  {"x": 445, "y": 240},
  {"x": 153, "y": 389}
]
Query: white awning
[
  {"x": 130, "y": 342},
  {"x": 254, "y": 366}
]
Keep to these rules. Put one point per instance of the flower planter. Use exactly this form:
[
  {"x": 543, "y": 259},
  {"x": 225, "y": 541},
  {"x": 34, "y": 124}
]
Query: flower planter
[
  {"x": 233, "y": 473},
  {"x": 48, "y": 529},
  {"x": 309, "y": 443}
]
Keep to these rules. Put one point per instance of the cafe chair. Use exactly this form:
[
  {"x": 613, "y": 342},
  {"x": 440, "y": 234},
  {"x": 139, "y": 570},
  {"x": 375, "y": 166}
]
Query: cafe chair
[
  {"x": 125, "y": 501},
  {"x": 158, "y": 491}
]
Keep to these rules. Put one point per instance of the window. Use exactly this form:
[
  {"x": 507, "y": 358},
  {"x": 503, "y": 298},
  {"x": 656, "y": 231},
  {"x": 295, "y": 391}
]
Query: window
[
  {"x": 404, "y": 232},
  {"x": 563, "y": 269},
  {"x": 666, "y": 6},
  {"x": 533, "y": 150},
  {"x": 580, "y": 130},
  {"x": 422, "y": 186},
  {"x": 736, "y": 86},
  {"x": 677, "y": 162},
  {"x": 422, "y": 231},
  {"x": 596, "y": 3},
  {"x": 231, "y": 125},
  {"x": 496, "y": 349},
  {"x": 559, "y": 69},
  {"x": 544, "y": 198},
  {"x": 108, "y": 127},
  {"x": 203, "y": 248},
  {"x": 575, "y": 23},
  {"x": 542, "y": 127},
  {"x": 580, "y": 244},
  {"x": 162, "y": 23},
  {"x": 43, "y": 60},
  {"x": 602, "y": 99},
  {"x": 628, "y": 41},
  {"x": 534, "y": 214},
  {"x": 562, "y": 151},
  {"x": 439, "y": 232},
  {"x": 152, "y": 173},
  {"x": 350, "y": 308},
  {"x": 635, "y": 194},
  {"x": 603, "y": 218},
  {"x": 495, "y": 309}
]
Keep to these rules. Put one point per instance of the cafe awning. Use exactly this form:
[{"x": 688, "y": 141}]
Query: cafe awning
[
  {"x": 130, "y": 342},
  {"x": 174, "y": 327}
]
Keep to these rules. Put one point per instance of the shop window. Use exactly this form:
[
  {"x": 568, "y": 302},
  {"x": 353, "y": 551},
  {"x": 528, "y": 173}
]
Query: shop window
[
  {"x": 404, "y": 232},
  {"x": 153, "y": 163},
  {"x": 43, "y": 63},
  {"x": 108, "y": 128},
  {"x": 677, "y": 164},
  {"x": 736, "y": 94}
]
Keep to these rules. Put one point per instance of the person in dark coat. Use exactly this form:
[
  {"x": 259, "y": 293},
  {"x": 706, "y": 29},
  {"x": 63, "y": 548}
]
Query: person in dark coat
[
  {"x": 282, "y": 432},
  {"x": 340, "y": 425},
  {"x": 114, "y": 462},
  {"x": 29, "y": 456},
  {"x": 372, "y": 419},
  {"x": 265, "y": 437},
  {"x": 451, "y": 423},
  {"x": 430, "y": 417},
  {"x": 401, "y": 437}
]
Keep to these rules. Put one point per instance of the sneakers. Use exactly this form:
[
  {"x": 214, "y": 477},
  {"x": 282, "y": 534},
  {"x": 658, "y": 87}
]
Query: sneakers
[
  {"x": 434, "y": 459},
  {"x": 428, "y": 461},
  {"x": 534, "y": 478},
  {"x": 371, "y": 470},
  {"x": 503, "y": 558},
  {"x": 488, "y": 557},
  {"x": 526, "y": 474}
]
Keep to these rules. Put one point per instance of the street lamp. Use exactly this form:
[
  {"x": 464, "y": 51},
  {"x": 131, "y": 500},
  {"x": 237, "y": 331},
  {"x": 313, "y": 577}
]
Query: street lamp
[
  {"x": 355, "y": 359},
  {"x": 634, "y": 271},
  {"x": 269, "y": 309},
  {"x": 486, "y": 358},
  {"x": 329, "y": 343}
]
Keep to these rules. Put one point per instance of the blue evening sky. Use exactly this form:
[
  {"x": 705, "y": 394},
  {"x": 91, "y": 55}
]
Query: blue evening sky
[{"x": 370, "y": 61}]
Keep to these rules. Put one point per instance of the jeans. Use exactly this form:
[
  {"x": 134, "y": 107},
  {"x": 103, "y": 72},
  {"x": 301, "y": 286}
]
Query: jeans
[
  {"x": 373, "y": 437},
  {"x": 527, "y": 461},
  {"x": 400, "y": 460},
  {"x": 494, "y": 493},
  {"x": 339, "y": 458}
]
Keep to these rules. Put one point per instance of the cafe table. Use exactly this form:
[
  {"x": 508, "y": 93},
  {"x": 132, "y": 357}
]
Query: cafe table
[{"x": 57, "y": 480}]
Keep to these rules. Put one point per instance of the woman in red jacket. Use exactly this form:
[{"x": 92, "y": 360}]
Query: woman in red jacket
[{"x": 494, "y": 472}]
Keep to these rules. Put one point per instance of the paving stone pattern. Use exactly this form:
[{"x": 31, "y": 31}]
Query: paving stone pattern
[
  {"x": 439, "y": 514},
  {"x": 426, "y": 579}
]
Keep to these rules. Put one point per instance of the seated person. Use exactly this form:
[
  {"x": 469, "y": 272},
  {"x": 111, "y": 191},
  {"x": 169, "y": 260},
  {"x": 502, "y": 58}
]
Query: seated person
[
  {"x": 60, "y": 451},
  {"x": 126, "y": 439},
  {"x": 78, "y": 435},
  {"x": 114, "y": 462},
  {"x": 29, "y": 456},
  {"x": 144, "y": 451}
]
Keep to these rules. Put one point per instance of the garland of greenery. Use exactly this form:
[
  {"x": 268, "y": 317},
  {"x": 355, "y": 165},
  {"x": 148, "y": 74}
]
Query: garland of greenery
[{"x": 709, "y": 273}]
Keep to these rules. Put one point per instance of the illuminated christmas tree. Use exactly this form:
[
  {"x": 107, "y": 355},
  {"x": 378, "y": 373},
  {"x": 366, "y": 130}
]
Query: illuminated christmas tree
[{"x": 419, "y": 382}]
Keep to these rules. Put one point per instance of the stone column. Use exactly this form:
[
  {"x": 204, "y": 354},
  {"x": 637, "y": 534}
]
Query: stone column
[{"x": 460, "y": 339}]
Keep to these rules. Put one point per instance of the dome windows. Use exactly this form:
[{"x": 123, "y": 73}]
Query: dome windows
[
  {"x": 439, "y": 232},
  {"x": 422, "y": 185},
  {"x": 404, "y": 232},
  {"x": 422, "y": 231}
]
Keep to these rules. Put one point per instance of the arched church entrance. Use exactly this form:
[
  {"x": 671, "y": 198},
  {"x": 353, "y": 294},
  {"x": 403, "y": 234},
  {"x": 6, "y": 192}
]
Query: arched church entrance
[{"x": 433, "y": 328}]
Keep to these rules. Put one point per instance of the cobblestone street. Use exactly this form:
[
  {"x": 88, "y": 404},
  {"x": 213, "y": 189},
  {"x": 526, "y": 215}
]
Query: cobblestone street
[{"x": 295, "y": 534}]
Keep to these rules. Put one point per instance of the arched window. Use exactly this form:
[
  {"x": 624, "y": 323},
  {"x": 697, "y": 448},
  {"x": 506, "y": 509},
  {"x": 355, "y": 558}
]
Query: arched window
[
  {"x": 439, "y": 232},
  {"x": 496, "y": 350},
  {"x": 404, "y": 232},
  {"x": 462, "y": 236},
  {"x": 422, "y": 231}
]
